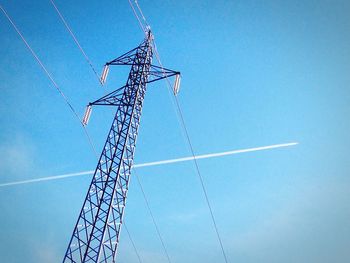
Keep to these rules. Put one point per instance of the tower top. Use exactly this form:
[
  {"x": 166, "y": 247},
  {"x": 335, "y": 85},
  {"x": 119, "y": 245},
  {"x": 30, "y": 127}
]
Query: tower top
[{"x": 148, "y": 33}]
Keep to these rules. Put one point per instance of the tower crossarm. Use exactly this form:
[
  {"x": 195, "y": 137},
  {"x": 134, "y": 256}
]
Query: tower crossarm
[
  {"x": 158, "y": 73},
  {"x": 125, "y": 59},
  {"x": 114, "y": 98}
]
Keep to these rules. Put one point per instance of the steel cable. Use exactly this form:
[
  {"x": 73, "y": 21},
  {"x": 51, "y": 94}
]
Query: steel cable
[
  {"x": 152, "y": 216},
  {"x": 76, "y": 41},
  {"x": 54, "y": 83},
  {"x": 183, "y": 125}
]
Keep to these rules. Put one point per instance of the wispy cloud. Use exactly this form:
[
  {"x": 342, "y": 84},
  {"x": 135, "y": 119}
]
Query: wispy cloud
[
  {"x": 46, "y": 251},
  {"x": 16, "y": 157},
  {"x": 313, "y": 220},
  {"x": 186, "y": 217}
]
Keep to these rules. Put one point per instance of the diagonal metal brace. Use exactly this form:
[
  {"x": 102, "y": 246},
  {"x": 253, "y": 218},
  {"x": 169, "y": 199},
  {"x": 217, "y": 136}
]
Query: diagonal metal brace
[
  {"x": 125, "y": 59},
  {"x": 158, "y": 73},
  {"x": 111, "y": 99}
]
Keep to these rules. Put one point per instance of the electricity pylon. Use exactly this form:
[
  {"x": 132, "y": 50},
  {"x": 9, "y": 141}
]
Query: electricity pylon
[{"x": 96, "y": 234}]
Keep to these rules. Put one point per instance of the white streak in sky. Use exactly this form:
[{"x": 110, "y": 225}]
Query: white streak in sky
[
  {"x": 47, "y": 178},
  {"x": 177, "y": 160},
  {"x": 212, "y": 155}
]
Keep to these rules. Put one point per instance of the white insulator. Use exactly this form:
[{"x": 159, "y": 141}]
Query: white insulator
[
  {"x": 104, "y": 74},
  {"x": 87, "y": 115},
  {"x": 177, "y": 84}
]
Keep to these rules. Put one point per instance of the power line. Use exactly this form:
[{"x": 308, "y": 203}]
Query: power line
[
  {"x": 140, "y": 10},
  {"x": 187, "y": 137},
  {"x": 49, "y": 76},
  {"x": 183, "y": 125},
  {"x": 133, "y": 244},
  {"x": 40, "y": 63},
  {"x": 153, "y": 219},
  {"x": 76, "y": 40},
  {"x": 202, "y": 182},
  {"x": 137, "y": 17}
]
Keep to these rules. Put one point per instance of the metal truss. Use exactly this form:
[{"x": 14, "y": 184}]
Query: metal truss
[{"x": 96, "y": 234}]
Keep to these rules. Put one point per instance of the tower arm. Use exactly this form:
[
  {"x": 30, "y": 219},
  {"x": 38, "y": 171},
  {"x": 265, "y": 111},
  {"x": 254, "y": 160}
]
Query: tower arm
[
  {"x": 157, "y": 73},
  {"x": 115, "y": 98},
  {"x": 125, "y": 59}
]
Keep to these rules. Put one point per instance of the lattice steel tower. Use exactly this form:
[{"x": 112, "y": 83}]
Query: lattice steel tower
[{"x": 96, "y": 234}]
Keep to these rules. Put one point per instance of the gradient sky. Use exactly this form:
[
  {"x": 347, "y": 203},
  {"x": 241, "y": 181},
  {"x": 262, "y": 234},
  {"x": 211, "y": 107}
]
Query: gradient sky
[{"x": 254, "y": 73}]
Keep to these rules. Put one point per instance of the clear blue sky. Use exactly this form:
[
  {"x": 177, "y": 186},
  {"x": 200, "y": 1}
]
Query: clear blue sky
[{"x": 254, "y": 73}]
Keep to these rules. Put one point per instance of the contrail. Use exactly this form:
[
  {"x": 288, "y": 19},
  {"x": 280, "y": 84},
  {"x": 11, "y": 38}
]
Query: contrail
[
  {"x": 212, "y": 155},
  {"x": 177, "y": 160},
  {"x": 47, "y": 178}
]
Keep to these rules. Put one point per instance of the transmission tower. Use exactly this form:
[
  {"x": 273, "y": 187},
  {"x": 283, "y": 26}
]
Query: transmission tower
[{"x": 97, "y": 231}]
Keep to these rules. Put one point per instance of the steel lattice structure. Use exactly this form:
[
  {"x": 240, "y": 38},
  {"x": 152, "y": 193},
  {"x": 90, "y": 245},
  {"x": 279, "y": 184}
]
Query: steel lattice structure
[{"x": 96, "y": 234}]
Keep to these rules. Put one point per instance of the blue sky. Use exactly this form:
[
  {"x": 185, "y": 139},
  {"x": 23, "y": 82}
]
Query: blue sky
[{"x": 254, "y": 73}]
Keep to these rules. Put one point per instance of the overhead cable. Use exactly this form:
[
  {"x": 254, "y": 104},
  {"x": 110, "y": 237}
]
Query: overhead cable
[
  {"x": 133, "y": 244},
  {"x": 48, "y": 74},
  {"x": 137, "y": 17},
  {"x": 153, "y": 219},
  {"x": 183, "y": 125},
  {"x": 140, "y": 10},
  {"x": 40, "y": 63},
  {"x": 75, "y": 40}
]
